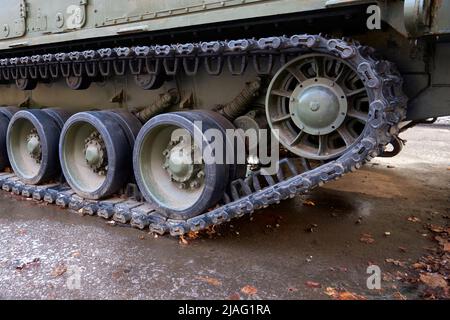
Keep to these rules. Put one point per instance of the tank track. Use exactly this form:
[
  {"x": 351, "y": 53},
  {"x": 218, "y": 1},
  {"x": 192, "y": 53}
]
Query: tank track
[{"x": 257, "y": 191}]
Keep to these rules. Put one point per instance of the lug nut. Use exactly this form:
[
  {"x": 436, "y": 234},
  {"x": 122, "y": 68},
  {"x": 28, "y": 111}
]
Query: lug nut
[{"x": 194, "y": 184}]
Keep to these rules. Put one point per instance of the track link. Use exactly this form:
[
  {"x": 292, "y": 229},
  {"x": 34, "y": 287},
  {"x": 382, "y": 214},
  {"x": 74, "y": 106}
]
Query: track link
[{"x": 386, "y": 110}]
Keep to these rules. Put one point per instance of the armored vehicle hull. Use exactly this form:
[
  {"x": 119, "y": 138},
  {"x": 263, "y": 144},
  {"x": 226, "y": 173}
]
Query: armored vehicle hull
[{"x": 97, "y": 92}]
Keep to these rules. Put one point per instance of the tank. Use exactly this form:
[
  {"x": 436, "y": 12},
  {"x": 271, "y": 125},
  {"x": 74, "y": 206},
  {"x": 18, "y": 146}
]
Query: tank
[{"x": 157, "y": 113}]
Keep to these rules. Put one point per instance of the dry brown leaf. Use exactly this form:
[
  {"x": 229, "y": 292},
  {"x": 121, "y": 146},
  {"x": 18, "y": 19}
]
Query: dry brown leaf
[
  {"x": 350, "y": 296},
  {"x": 343, "y": 295},
  {"x": 437, "y": 229},
  {"x": 395, "y": 262},
  {"x": 210, "y": 280},
  {"x": 234, "y": 296},
  {"x": 249, "y": 290},
  {"x": 433, "y": 280},
  {"x": 446, "y": 247},
  {"x": 444, "y": 243},
  {"x": 312, "y": 284},
  {"x": 329, "y": 291},
  {"x": 210, "y": 231},
  {"x": 192, "y": 235},
  {"x": 367, "y": 238},
  {"x": 59, "y": 270},
  {"x": 183, "y": 241},
  {"x": 398, "y": 296},
  {"x": 440, "y": 239},
  {"x": 76, "y": 254},
  {"x": 419, "y": 265},
  {"x": 309, "y": 203},
  {"x": 413, "y": 219}
]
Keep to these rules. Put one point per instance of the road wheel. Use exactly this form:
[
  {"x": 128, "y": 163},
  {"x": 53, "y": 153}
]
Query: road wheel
[
  {"x": 169, "y": 166},
  {"x": 95, "y": 152},
  {"x": 32, "y": 144}
]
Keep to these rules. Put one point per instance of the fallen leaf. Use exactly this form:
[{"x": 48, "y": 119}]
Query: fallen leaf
[
  {"x": 446, "y": 247},
  {"x": 76, "y": 254},
  {"x": 398, "y": 296},
  {"x": 59, "y": 270},
  {"x": 395, "y": 262},
  {"x": 117, "y": 274},
  {"x": 309, "y": 203},
  {"x": 367, "y": 238},
  {"x": 183, "y": 241},
  {"x": 234, "y": 296},
  {"x": 141, "y": 237},
  {"x": 343, "y": 295},
  {"x": 440, "y": 239},
  {"x": 312, "y": 284},
  {"x": 413, "y": 219},
  {"x": 420, "y": 265},
  {"x": 387, "y": 234},
  {"x": 210, "y": 280},
  {"x": 210, "y": 231},
  {"x": 350, "y": 296},
  {"x": 402, "y": 249},
  {"x": 192, "y": 235},
  {"x": 437, "y": 229},
  {"x": 329, "y": 291},
  {"x": 249, "y": 290},
  {"x": 433, "y": 280}
]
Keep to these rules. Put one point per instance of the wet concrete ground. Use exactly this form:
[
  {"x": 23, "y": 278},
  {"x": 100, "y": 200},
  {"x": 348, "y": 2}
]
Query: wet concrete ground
[{"x": 273, "y": 255}]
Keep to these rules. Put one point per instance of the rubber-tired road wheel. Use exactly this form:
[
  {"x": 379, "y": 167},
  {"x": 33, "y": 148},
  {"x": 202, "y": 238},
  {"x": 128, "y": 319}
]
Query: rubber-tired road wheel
[
  {"x": 95, "y": 152},
  {"x": 32, "y": 144},
  {"x": 169, "y": 166},
  {"x": 6, "y": 114}
]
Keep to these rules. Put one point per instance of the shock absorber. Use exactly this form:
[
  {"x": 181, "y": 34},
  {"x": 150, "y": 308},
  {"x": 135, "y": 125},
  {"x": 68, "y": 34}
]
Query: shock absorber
[
  {"x": 236, "y": 107},
  {"x": 165, "y": 101}
]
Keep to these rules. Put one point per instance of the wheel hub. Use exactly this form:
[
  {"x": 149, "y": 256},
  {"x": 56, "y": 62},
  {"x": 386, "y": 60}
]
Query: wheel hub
[
  {"x": 180, "y": 165},
  {"x": 95, "y": 153},
  {"x": 318, "y": 106},
  {"x": 92, "y": 155},
  {"x": 34, "y": 146}
]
